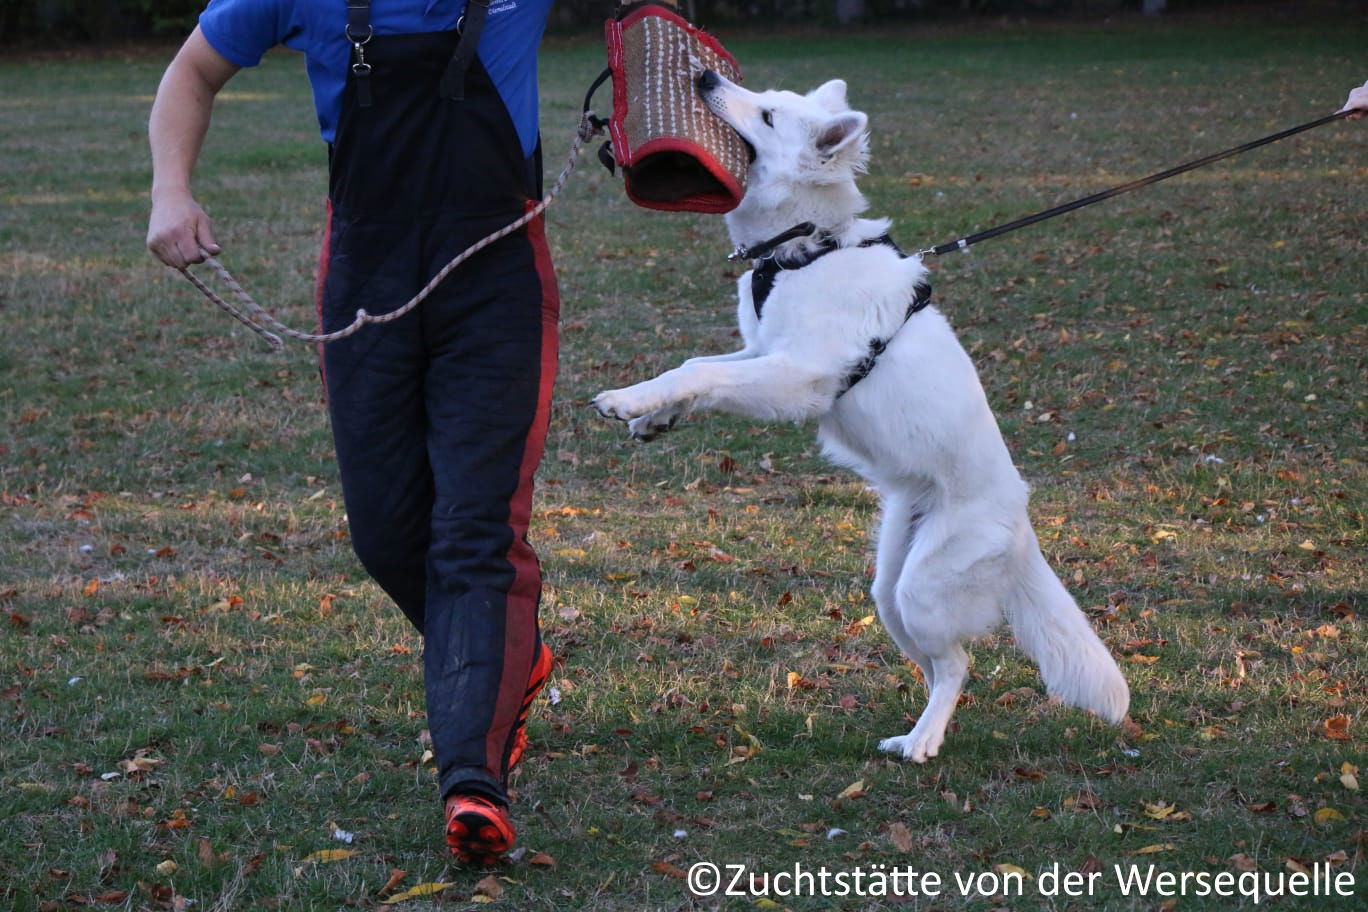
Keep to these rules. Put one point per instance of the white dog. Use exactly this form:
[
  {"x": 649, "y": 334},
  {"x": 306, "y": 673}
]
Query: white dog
[{"x": 837, "y": 328}]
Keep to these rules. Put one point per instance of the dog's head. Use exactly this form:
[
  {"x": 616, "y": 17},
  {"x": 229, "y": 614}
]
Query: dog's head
[{"x": 809, "y": 139}]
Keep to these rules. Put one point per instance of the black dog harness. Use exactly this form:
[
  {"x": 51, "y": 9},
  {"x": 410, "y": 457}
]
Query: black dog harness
[{"x": 768, "y": 266}]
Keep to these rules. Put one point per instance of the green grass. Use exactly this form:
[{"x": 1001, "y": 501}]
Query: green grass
[{"x": 1179, "y": 374}]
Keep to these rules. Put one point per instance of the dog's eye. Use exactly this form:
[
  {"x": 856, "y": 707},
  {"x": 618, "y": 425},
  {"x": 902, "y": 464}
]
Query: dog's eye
[{"x": 767, "y": 117}]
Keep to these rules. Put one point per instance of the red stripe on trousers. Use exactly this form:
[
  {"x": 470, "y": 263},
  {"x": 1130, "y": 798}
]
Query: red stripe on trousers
[
  {"x": 320, "y": 283},
  {"x": 520, "y": 638}
]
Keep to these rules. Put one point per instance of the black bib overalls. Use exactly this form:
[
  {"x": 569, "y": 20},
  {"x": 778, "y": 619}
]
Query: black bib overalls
[{"x": 439, "y": 419}]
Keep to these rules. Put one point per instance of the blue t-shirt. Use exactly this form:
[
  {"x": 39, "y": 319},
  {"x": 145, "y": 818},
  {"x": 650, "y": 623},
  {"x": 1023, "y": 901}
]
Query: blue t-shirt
[{"x": 243, "y": 30}]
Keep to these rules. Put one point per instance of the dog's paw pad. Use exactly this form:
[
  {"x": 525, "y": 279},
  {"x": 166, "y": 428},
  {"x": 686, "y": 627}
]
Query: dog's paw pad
[{"x": 649, "y": 427}]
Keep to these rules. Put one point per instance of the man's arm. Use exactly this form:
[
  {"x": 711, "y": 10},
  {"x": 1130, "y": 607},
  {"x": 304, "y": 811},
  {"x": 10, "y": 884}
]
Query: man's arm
[{"x": 178, "y": 227}]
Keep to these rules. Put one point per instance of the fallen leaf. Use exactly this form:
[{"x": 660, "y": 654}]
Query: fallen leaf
[
  {"x": 1349, "y": 776},
  {"x": 110, "y": 897},
  {"x": 1157, "y": 847},
  {"x": 853, "y": 790},
  {"x": 541, "y": 859},
  {"x": 425, "y": 889},
  {"x": 669, "y": 870},
  {"x": 1159, "y": 811},
  {"x": 1337, "y": 728},
  {"x": 1242, "y": 862},
  {"x": 396, "y": 877},
  {"x": 901, "y": 837},
  {"x": 327, "y": 855},
  {"x": 1327, "y": 814}
]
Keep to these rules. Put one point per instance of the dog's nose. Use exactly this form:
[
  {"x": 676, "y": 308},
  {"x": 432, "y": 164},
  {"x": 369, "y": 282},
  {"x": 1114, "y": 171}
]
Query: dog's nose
[{"x": 708, "y": 80}]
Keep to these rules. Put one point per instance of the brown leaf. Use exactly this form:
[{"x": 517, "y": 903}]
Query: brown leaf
[
  {"x": 1337, "y": 728},
  {"x": 110, "y": 897},
  {"x": 901, "y": 836},
  {"x": 669, "y": 870},
  {"x": 205, "y": 852},
  {"x": 1262, "y": 807},
  {"x": 396, "y": 877},
  {"x": 541, "y": 859},
  {"x": 1084, "y": 800},
  {"x": 490, "y": 887}
]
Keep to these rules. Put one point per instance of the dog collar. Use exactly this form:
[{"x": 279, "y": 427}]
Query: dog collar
[{"x": 765, "y": 248}]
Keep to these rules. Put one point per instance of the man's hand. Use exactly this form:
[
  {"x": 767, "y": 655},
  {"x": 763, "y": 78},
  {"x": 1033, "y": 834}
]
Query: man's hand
[
  {"x": 178, "y": 227},
  {"x": 178, "y": 230},
  {"x": 1358, "y": 103}
]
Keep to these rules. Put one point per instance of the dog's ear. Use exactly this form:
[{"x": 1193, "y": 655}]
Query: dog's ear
[
  {"x": 839, "y": 132},
  {"x": 831, "y": 96}
]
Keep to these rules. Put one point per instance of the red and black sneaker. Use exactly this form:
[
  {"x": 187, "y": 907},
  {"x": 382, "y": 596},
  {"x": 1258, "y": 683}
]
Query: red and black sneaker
[
  {"x": 541, "y": 673},
  {"x": 478, "y": 830}
]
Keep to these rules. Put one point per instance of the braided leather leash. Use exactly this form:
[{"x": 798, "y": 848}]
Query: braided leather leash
[{"x": 255, "y": 317}]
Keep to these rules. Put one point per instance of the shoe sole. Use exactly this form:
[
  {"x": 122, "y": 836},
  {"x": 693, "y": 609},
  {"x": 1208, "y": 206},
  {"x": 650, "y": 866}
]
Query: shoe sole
[{"x": 476, "y": 836}]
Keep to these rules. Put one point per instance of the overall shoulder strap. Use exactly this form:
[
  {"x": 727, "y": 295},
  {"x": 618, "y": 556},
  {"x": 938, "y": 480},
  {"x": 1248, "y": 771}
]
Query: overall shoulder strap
[
  {"x": 471, "y": 24},
  {"x": 359, "y": 33}
]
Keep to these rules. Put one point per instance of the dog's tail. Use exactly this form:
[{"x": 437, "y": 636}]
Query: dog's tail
[{"x": 1049, "y": 626}]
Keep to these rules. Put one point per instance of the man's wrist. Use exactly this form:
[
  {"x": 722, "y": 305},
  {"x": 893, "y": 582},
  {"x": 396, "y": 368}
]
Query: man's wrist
[{"x": 162, "y": 193}]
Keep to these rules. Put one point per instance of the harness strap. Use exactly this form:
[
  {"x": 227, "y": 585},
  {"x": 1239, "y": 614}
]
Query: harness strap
[
  {"x": 766, "y": 271},
  {"x": 359, "y": 32},
  {"x": 921, "y": 299},
  {"x": 470, "y": 26}
]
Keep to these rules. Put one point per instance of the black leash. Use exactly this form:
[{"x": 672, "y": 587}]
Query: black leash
[{"x": 966, "y": 242}]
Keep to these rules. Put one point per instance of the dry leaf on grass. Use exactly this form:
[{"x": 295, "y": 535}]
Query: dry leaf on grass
[
  {"x": 329, "y": 855},
  {"x": 425, "y": 889}
]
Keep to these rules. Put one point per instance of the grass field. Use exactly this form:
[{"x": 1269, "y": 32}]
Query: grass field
[{"x": 200, "y": 691}]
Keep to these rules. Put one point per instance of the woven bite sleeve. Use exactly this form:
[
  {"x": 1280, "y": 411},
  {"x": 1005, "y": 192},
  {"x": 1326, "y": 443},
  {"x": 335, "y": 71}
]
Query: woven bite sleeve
[{"x": 675, "y": 154}]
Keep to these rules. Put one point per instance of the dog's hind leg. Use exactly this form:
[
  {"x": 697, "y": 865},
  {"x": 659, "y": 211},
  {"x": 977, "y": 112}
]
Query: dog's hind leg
[
  {"x": 896, "y": 532},
  {"x": 946, "y": 594},
  {"x": 950, "y": 670}
]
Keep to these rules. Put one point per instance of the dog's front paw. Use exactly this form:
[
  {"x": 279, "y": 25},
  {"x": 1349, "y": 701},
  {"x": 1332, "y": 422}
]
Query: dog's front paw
[
  {"x": 912, "y": 746},
  {"x": 616, "y": 404}
]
